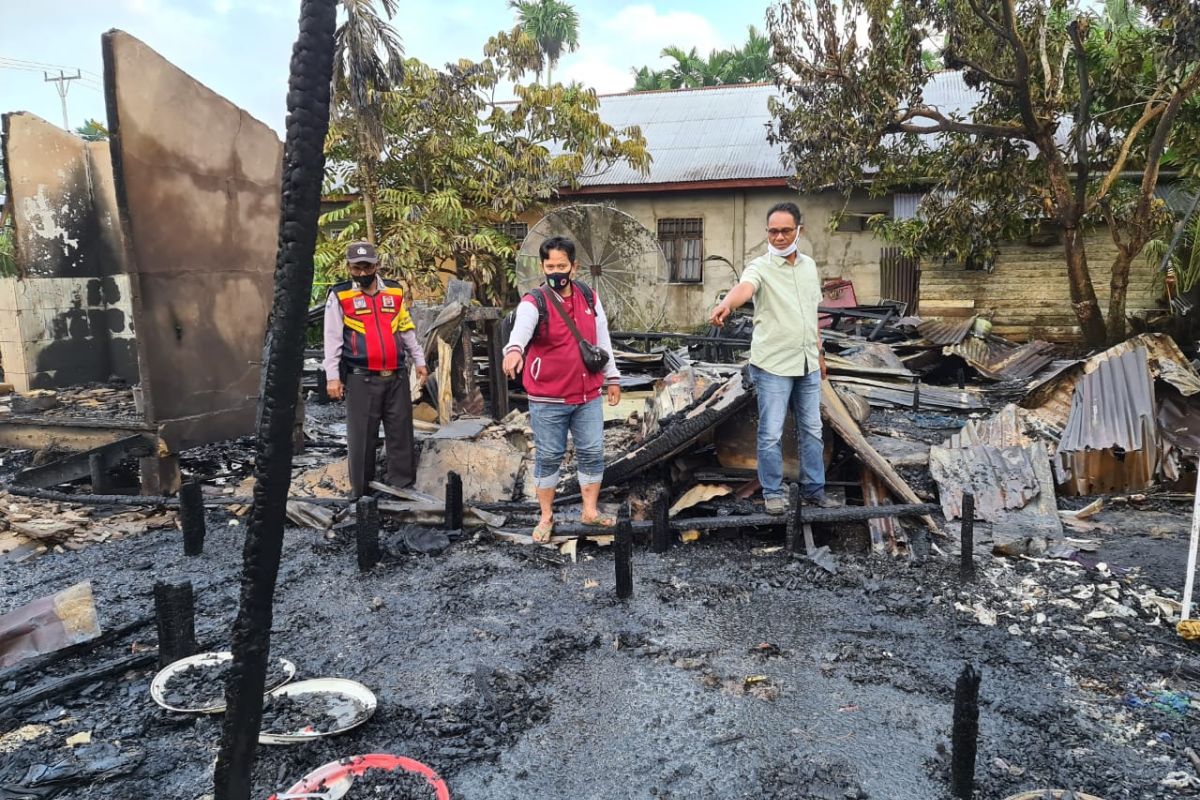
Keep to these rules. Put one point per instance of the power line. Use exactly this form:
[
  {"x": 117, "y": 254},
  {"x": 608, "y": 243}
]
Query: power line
[
  {"x": 39, "y": 66},
  {"x": 64, "y": 83}
]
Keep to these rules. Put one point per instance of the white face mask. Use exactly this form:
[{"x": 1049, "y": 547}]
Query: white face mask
[{"x": 785, "y": 252}]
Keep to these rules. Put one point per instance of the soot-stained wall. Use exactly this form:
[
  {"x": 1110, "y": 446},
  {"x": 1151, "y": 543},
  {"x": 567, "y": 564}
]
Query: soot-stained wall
[{"x": 198, "y": 190}]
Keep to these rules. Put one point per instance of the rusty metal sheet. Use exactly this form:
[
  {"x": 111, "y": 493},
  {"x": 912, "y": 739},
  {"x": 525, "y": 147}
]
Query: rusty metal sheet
[
  {"x": 1051, "y": 395},
  {"x": 1008, "y": 472},
  {"x": 946, "y": 331},
  {"x": 1110, "y": 440},
  {"x": 1001, "y": 478},
  {"x": 1005, "y": 428},
  {"x": 1013, "y": 488},
  {"x": 198, "y": 191},
  {"x": 999, "y": 359}
]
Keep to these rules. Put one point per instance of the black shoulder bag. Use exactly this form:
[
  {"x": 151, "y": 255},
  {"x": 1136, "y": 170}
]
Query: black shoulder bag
[{"x": 594, "y": 357}]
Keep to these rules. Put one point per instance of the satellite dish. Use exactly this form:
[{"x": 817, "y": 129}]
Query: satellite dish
[{"x": 615, "y": 255}]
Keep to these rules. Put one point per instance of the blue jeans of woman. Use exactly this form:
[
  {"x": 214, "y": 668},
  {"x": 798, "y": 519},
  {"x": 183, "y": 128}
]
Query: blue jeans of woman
[
  {"x": 802, "y": 394},
  {"x": 551, "y": 422}
]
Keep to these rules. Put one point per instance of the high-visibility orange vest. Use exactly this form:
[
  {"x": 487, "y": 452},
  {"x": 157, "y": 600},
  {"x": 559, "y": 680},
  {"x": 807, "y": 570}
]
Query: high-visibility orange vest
[{"x": 371, "y": 326}]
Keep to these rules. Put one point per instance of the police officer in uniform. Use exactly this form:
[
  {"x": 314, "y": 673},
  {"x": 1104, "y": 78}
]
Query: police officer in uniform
[{"x": 369, "y": 340}]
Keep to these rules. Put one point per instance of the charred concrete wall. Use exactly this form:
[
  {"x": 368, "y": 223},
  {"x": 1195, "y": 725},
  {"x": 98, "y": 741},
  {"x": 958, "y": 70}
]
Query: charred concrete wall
[
  {"x": 198, "y": 188},
  {"x": 66, "y": 319}
]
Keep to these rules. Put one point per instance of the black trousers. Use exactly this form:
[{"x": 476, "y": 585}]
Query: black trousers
[{"x": 371, "y": 399}]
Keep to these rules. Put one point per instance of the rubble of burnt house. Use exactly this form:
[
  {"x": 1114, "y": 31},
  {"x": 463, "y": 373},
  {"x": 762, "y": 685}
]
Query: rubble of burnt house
[{"x": 953, "y": 441}]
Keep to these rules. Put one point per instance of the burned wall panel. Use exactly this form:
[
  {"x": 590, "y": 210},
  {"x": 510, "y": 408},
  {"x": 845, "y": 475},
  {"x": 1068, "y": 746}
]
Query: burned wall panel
[
  {"x": 56, "y": 233},
  {"x": 198, "y": 192},
  {"x": 66, "y": 319}
]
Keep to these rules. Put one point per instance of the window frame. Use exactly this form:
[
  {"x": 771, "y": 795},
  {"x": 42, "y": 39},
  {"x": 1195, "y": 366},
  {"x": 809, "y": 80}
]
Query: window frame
[{"x": 674, "y": 235}]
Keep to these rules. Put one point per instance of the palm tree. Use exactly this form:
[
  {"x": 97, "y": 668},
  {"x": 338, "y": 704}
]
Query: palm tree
[
  {"x": 688, "y": 70},
  {"x": 553, "y": 24},
  {"x": 753, "y": 59},
  {"x": 648, "y": 80},
  {"x": 368, "y": 61},
  {"x": 750, "y": 63}
]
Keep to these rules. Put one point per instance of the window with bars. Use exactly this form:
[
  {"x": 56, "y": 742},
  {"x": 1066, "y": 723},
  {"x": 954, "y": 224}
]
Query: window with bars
[
  {"x": 517, "y": 231},
  {"x": 682, "y": 242}
]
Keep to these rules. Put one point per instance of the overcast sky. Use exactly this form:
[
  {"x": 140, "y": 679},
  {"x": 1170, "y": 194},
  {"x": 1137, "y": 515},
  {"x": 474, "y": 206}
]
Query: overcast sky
[{"x": 240, "y": 48}]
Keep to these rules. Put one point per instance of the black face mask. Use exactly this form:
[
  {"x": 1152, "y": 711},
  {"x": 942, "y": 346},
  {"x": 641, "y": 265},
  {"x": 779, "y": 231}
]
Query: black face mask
[
  {"x": 364, "y": 281},
  {"x": 558, "y": 280}
]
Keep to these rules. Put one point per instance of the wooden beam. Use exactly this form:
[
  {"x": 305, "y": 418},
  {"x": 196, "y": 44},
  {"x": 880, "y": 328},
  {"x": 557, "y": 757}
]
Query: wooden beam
[
  {"x": 838, "y": 416},
  {"x": 25, "y": 433}
]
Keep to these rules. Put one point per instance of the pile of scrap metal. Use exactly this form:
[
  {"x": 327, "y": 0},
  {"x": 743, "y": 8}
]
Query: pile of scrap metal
[
  {"x": 1119, "y": 421},
  {"x": 1122, "y": 420}
]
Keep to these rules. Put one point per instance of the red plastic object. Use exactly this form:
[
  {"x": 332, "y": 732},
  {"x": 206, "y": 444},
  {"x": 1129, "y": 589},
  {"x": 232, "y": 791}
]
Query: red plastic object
[
  {"x": 357, "y": 765},
  {"x": 836, "y": 293}
]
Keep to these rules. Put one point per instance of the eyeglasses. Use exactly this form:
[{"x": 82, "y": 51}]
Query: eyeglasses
[{"x": 780, "y": 231}]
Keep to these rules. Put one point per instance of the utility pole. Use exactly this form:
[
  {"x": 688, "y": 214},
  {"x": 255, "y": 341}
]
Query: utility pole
[{"x": 63, "y": 80}]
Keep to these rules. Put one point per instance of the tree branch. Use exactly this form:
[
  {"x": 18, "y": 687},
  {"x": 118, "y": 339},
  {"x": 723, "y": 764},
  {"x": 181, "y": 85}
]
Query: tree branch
[
  {"x": 990, "y": 76},
  {"x": 1045, "y": 58},
  {"x": 1158, "y": 144},
  {"x": 1111, "y": 222},
  {"x": 1151, "y": 111},
  {"x": 1021, "y": 59},
  {"x": 1083, "y": 118},
  {"x": 996, "y": 27},
  {"x": 946, "y": 125}
]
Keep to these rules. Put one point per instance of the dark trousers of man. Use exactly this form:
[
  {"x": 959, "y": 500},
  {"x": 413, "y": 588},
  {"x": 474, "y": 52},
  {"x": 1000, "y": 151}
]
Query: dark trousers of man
[{"x": 371, "y": 399}]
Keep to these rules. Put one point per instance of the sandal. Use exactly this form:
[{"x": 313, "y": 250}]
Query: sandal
[
  {"x": 600, "y": 521},
  {"x": 543, "y": 531}
]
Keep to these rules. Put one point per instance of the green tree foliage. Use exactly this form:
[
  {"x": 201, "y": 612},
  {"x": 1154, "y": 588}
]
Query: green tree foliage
[
  {"x": 1069, "y": 101},
  {"x": 458, "y": 164},
  {"x": 750, "y": 63},
  {"x": 554, "y": 25},
  {"x": 92, "y": 131},
  {"x": 1184, "y": 259},
  {"x": 368, "y": 62}
]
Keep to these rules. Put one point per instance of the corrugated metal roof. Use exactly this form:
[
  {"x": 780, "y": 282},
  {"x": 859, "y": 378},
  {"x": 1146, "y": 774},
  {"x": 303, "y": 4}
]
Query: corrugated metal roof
[
  {"x": 999, "y": 359},
  {"x": 711, "y": 134},
  {"x": 1006, "y": 428},
  {"x": 719, "y": 133},
  {"x": 1110, "y": 442},
  {"x": 1051, "y": 395},
  {"x": 946, "y": 331}
]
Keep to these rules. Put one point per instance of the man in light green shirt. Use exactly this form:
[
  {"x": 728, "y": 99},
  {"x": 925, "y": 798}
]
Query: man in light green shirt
[{"x": 786, "y": 360}]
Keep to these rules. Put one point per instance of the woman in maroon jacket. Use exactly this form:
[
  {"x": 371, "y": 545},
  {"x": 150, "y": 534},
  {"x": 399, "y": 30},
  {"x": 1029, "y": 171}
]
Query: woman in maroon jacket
[{"x": 563, "y": 395}]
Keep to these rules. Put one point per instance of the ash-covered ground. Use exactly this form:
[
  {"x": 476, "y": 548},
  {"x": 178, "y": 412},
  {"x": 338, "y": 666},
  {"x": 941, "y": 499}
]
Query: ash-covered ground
[{"x": 734, "y": 671}]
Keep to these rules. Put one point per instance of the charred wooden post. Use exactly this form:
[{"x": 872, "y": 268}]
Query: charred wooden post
[
  {"x": 623, "y": 556},
  {"x": 916, "y": 404},
  {"x": 497, "y": 380},
  {"x": 191, "y": 517},
  {"x": 661, "y": 536},
  {"x": 793, "y": 540},
  {"x": 322, "y": 387},
  {"x": 366, "y": 529},
  {"x": 99, "y": 473},
  {"x": 962, "y": 378},
  {"x": 966, "y": 565},
  {"x": 453, "y": 519},
  {"x": 303, "y": 173},
  {"x": 965, "y": 733},
  {"x": 175, "y": 613}
]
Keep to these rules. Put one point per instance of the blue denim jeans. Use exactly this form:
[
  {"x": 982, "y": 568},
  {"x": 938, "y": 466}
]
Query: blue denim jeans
[
  {"x": 776, "y": 393},
  {"x": 550, "y": 423}
]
